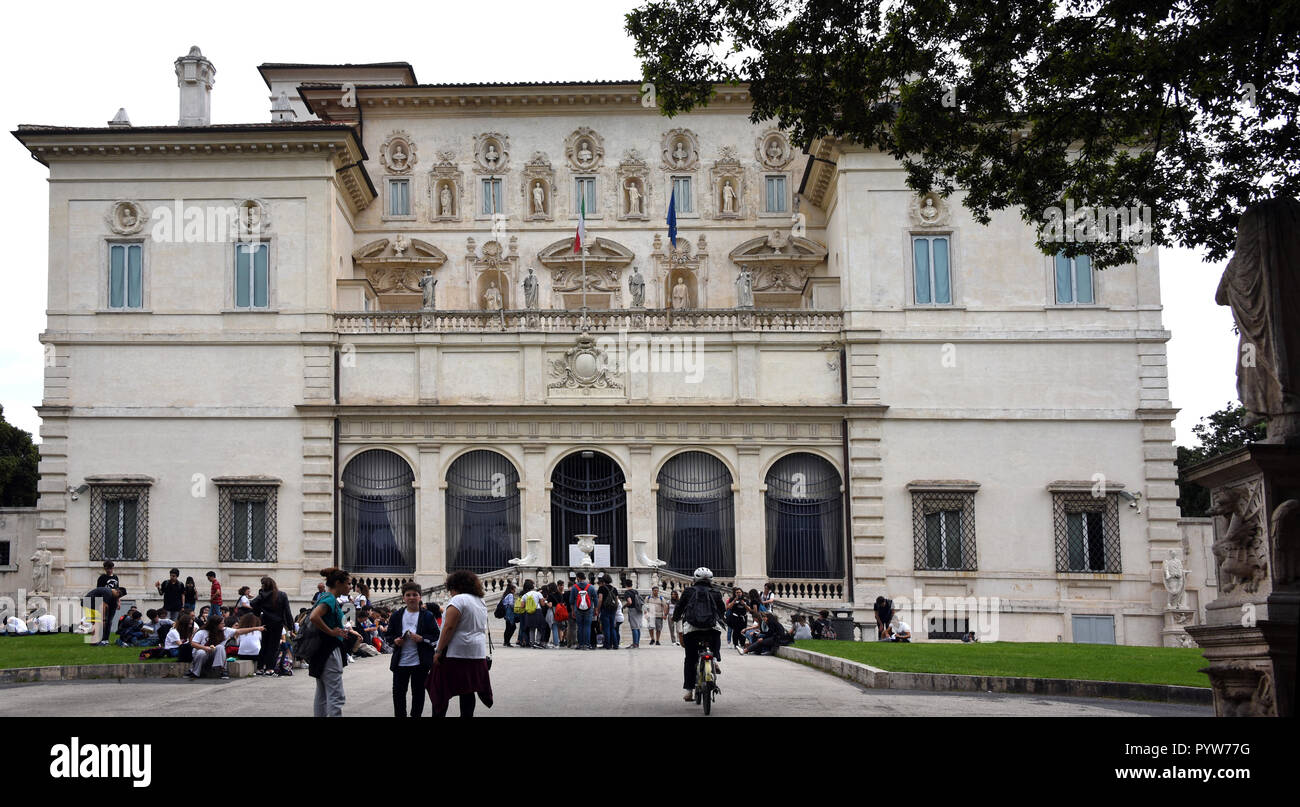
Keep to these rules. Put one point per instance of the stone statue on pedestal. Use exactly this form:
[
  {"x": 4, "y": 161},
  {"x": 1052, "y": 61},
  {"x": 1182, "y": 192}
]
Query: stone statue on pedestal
[
  {"x": 530, "y": 290},
  {"x": 744, "y": 290},
  {"x": 492, "y": 297},
  {"x": 680, "y": 297},
  {"x": 427, "y": 285},
  {"x": 42, "y": 561},
  {"x": 1175, "y": 580},
  {"x": 636, "y": 287},
  {"x": 1262, "y": 285},
  {"x": 444, "y": 201}
]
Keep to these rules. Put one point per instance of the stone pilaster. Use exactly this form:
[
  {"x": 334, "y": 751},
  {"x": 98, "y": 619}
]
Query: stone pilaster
[
  {"x": 52, "y": 487},
  {"x": 535, "y": 499},
  {"x": 318, "y": 486},
  {"x": 751, "y": 529},
  {"x": 430, "y": 550},
  {"x": 641, "y": 517}
]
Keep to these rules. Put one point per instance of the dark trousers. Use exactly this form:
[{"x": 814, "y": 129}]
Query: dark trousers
[
  {"x": 510, "y": 631},
  {"x": 691, "y": 650},
  {"x": 608, "y": 629},
  {"x": 736, "y": 630},
  {"x": 466, "y": 707},
  {"x": 412, "y": 678},
  {"x": 108, "y": 623},
  {"x": 270, "y": 647}
]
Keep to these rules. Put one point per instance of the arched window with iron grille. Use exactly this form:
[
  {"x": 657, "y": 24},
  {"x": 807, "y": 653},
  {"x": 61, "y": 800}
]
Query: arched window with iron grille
[
  {"x": 696, "y": 514},
  {"x": 378, "y": 505},
  {"x": 805, "y": 527},
  {"x": 588, "y": 498},
  {"x": 482, "y": 512}
]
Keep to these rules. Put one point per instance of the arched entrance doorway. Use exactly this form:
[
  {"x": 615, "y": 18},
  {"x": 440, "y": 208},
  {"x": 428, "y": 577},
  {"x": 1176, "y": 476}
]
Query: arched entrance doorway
[
  {"x": 696, "y": 515},
  {"x": 482, "y": 512},
  {"x": 378, "y": 507},
  {"x": 587, "y": 498},
  {"x": 805, "y": 525}
]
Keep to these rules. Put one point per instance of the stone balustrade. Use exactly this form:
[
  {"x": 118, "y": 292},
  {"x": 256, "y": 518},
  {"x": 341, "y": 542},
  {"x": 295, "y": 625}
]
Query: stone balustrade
[{"x": 604, "y": 321}]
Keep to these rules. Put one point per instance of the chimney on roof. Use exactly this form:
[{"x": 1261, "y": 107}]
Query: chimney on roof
[
  {"x": 120, "y": 119},
  {"x": 194, "y": 76},
  {"x": 281, "y": 109}
]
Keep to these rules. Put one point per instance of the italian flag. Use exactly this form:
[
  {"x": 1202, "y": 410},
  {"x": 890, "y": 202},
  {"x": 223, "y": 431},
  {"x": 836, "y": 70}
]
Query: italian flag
[{"x": 582, "y": 226}]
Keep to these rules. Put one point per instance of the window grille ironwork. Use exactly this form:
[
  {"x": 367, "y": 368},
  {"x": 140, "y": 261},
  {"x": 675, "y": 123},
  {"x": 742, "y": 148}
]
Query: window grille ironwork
[
  {"x": 246, "y": 523},
  {"x": 119, "y": 522},
  {"x": 482, "y": 513},
  {"x": 588, "y": 498},
  {"x": 696, "y": 515},
  {"x": 805, "y": 525},
  {"x": 1087, "y": 532},
  {"x": 943, "y": 530},
  {"x": 378, "y": 509}
]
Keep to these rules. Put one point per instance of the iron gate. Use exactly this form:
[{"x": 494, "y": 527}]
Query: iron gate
[
  {"x": 804, "y": 522},
  {"x": 587, "y": 498},
  {"x": 696, "y": 515},
  {"x": 482, "y": 512},
  {"x": 378, "y": 505}
]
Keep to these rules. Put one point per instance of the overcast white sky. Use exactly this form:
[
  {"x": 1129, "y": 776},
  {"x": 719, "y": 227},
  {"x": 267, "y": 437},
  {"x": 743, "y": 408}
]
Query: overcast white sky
[{"x": 79, "y": 72}]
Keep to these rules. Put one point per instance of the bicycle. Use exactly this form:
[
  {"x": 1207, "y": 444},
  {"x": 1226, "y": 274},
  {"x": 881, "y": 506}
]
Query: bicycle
[{"x": 706, "y": 683}]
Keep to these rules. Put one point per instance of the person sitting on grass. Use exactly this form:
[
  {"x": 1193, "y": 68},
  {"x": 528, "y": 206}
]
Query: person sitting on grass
[
  {"x": 210, "y": 647},
  {"x": 129, "y": 629},
  {"x": 900, "y": 631},
  {"x": 801, "y": 629}
]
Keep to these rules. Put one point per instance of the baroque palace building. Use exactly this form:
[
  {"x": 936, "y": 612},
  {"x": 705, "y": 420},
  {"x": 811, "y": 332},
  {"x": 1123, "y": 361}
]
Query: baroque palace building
[{"x": 356, "y": 335}]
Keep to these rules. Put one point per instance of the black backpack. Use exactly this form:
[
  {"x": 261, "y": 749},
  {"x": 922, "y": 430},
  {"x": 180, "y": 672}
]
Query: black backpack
[
  {"x": 611, "y": 595},
  {"x": 700, "y": 611}
]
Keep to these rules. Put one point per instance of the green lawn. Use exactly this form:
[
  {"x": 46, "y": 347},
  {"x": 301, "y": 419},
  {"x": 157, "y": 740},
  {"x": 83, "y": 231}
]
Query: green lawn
[
  {"x": 1090, "y": 662},
  {"x": 59, "y": 650}
]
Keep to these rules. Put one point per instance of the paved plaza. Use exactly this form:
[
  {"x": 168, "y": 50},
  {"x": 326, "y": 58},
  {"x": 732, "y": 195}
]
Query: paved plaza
[{"x": 535, "y": 683}]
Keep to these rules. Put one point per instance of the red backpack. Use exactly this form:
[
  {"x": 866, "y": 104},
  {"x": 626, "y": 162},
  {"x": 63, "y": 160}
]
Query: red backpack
[
  {"x": 582, "y": 600},
  {"x": 561, "y": 612}
]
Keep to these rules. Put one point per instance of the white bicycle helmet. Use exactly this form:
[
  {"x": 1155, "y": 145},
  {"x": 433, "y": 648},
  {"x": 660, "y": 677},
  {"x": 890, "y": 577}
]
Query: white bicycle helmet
[{"x": 703, "y": 573}]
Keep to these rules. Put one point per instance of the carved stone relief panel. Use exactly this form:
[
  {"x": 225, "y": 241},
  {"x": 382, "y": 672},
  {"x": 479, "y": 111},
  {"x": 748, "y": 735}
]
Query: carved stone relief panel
[
  {"x": 681, "y": 150},
  {"x": 585, "y": 150},
  {"x": 772, "y": 148},
  {"x": 397, "y": 154},
  {"x": 126, "y": 217},
  {"x": 929, "y": 210},
  {"x": 491, "y": 153},
  {"x": 254, "y": 217}
]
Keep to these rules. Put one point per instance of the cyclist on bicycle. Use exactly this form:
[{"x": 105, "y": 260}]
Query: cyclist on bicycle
[{"x": 700, "y": 610}]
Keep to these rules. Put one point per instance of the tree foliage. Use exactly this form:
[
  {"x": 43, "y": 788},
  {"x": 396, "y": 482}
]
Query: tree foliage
[
  {"x": 19, "y": 458},
  {"x": 1186, "y": 107},
  {"x": 1218, "y": 433}
]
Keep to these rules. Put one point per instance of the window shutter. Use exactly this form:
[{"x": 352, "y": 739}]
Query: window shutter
[
  {"x": 134, "y": 277},
  {"x": 117, "y": 276},
  {"x": 1083, "y": 279},
  {"x": 1064, "y": 291},
  {"x": 921, "y": 265},
  {"x": 942, "y": 287}
]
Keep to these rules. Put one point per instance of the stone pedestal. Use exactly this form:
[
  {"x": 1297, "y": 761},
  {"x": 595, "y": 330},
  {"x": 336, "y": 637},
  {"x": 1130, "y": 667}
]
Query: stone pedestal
[
  {"x": 1174, "y": 633},
  {"x": 1249, "y": 635}
]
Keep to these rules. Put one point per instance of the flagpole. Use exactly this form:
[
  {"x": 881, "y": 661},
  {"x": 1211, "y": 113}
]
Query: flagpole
[{"x": 584, "y": 287}]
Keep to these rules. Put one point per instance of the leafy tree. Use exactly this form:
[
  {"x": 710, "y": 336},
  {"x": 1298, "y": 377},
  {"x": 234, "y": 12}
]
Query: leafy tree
[
  {"x": 1186, "y": 107},
  {"x": 1219, "y": 433},
  {"x": 18, "y": 460}
]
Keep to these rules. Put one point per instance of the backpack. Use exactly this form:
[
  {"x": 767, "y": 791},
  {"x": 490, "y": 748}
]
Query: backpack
[
  {"x": 825, "y": 630},
  {"x": 637, "y": 602},
  {"x": 561, "y": 612},
  {"x": 610, "y": 596},
  {"x": 520, "y": 605},
  {"x": 583, "y": 598},
  {"x": 700, "y": 612},
  {"x": 500, "y": 612},
  {"x": 530, "y": 604}
]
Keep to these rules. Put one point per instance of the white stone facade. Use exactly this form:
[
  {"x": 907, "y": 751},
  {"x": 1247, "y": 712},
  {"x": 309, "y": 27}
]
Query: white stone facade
[{"x": 1001, "y": 396}]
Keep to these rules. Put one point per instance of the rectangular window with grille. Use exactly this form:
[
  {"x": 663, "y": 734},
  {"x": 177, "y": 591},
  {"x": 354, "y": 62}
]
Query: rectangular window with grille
[
  {"x": 247, "y": 516},
  {"x": 4, "y": 553},
  {"x": 1087, "y": 532},
  {"x": 119, "y": 522},
  {"x": 126, "y": 276},
  {"x": 943, "y": 526},
  {"x": 253, "y": 275}
]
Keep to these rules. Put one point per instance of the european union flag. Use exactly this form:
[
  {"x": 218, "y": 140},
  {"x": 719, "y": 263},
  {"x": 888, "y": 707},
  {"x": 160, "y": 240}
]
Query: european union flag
[{"x": 672, "y": 218}]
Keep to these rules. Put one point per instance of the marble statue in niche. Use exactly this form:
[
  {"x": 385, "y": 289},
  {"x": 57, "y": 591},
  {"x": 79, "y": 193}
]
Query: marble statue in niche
[
  {"x": 744, "y": 290},
  {"x": 539, "y": 199},
  {"x": 728, "y": 197},
  {"x": 444, "y": 201},
  {"x": 679, "y": 153},
  {"x": 584, "y": 153},
  {"x": 491, "y": 157},
  {"x": 492, "y": 297},
  {"x": 633, "y": 198},
  {"x": 681, "y": 300}
]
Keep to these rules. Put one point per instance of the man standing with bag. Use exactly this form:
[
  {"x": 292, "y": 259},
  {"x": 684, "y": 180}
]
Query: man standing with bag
[
  {"x": 582, "y": 604},
  {"x": 413, "y": 633}
]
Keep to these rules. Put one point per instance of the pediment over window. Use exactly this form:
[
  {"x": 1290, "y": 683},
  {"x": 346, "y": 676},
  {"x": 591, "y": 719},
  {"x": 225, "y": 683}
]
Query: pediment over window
[
  {"x": 396, "y": 264},
  {"x": 779, "y": 261},
  {"x": 605, "y": 262}
]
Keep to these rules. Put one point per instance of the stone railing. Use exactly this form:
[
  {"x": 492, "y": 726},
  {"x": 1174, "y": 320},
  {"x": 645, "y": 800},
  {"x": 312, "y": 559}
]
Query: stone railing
[
  {"x": 494, "y": 585},
  {"x": 812, "y": 590},
  {"x": 381, "y": 584},
  {"x": 611, "y": 321}
]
